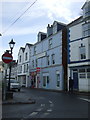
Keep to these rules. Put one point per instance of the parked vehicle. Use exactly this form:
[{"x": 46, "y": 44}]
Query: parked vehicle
[{"x": 14, "y": 85}]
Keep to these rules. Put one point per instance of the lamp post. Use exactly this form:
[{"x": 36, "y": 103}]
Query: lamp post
[{"x": 11, "y": 44}]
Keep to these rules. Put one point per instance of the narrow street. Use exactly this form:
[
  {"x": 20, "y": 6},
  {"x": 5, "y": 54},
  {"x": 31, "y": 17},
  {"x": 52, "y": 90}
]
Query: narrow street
[{"x": 48, "y": 105}]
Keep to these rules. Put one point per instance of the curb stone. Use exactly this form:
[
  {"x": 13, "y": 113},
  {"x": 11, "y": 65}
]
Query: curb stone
[{"x": 14, "y": 102}]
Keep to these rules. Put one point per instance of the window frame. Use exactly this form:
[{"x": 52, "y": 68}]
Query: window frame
[
  {"x": 82, "y": 54},
  {"x": 58, "y": 79}
]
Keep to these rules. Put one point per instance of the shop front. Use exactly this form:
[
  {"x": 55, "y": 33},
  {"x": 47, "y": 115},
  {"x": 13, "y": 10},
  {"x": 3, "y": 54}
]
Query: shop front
[{"x": 35, "y": 79}]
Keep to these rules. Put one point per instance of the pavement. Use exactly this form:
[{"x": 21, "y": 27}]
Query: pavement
[{"x": 19, "y": 98}]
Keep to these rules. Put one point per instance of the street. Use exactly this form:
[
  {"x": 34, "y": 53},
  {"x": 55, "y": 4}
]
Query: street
[{"x": 48, "y": 105}]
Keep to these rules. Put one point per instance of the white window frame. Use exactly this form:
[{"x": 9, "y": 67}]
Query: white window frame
[
  {"x": 53, "y": 58},
  {"x": 57, "y": 80},
  {"x": 84, "y": 53},
  {"x": 26, "y": 56},
  {"x": 46, "y": 78},
  {"x": 34, "y": 50},
  {"x": 48, "y": 60},
  {"x": 50, "y": 43}
]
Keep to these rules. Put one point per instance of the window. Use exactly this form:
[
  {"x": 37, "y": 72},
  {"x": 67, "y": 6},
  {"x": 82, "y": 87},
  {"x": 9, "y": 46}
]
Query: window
[
  {"x": 44, "y": 81},
  {"x": 50, "y": 43},
  {"x": 87, "y": 11},
  {"x": 47, "y": 79},
  {"x": 34, "y": 50},
  {"x": 86, "y": 29},
  {"x": 58, "y": 79},
  {"x": 20, "y": 58},
  {"x": 33, "y": 63},
  {"x": 25, "y": 56},
  {"x": 89, "y": 50},
  {"x": 82, "y": 75},
  {"x": 36, "y": 62},
  {"x": 81, "y": 70},
  {"x": 53, "y": 58},
  {"x": 20, "y": 69},
  {"x": 88, "y": 72},
  {"x": 82, "y": 52},
  {"x": 48, "y": 60},
  {"x": 24, "y": 68},
  {"x": 27, "y": 68}
]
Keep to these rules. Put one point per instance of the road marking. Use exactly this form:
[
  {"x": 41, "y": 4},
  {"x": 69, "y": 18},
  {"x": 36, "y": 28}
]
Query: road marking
[
  {"x": 85, "y": 99},
  {"x": 46, "y": 113},
  {"x": 49, "y": 110},
  {"x": 42, "y": 105},
  {"x": 39, "y": 109},
  {"x": 33, "y": 113},
  {"x": 50, "y": 102},
  {"x": 51, "y": 105}
]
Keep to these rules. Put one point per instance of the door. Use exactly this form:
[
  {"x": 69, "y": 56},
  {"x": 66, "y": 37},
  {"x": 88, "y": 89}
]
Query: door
[{"x": 75, "y": 78}]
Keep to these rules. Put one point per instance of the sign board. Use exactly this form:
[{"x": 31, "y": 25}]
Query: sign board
[
  {"x": 7, "y": 57},
  {"x": 38, "y": 69}
]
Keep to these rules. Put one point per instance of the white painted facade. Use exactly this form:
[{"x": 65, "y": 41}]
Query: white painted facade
[
  {"x": 79, "y": 52},
  {"x": 24, "y": 65}
]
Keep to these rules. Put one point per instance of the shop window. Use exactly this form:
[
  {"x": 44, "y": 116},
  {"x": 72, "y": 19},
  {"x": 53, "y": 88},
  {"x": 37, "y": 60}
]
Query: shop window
[
  {"x": 82, "y": 75},
  {"x": 81, "y": 70},
  {"x": 88, "y": 72},
  {"x": 44, "y": 81},
  {"x": 47, "y": 79}
]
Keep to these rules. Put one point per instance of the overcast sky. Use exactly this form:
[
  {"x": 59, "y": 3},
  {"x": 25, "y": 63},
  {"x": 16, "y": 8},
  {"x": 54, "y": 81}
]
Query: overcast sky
[{"x": 36, "y": 19}]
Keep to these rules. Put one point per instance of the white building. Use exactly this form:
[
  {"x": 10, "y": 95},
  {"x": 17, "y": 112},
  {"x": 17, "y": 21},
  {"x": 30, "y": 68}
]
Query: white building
[
  {"x": 1, "y": 71},
  {"x": 79, "y": 50},
  {"x": 23, "y": 65}
]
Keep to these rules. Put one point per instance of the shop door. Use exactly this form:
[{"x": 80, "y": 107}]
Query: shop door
[{"x": 75, "y": 78}]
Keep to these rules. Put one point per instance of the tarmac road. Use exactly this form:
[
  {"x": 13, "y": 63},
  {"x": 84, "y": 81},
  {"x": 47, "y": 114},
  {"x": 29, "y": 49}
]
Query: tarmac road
[{"x": 48, "y": 105}]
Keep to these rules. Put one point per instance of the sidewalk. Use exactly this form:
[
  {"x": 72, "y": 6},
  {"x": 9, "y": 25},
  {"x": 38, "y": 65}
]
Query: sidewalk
[
  {"x": 19, "y": 98},
  {"x": 52, "y": 90}
]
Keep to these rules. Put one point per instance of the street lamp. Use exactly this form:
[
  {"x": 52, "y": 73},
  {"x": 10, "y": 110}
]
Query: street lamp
[{"x": 11, "y": 44}]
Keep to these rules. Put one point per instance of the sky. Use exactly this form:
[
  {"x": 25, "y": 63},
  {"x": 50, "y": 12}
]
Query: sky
[{"x": 36, "y": 19}]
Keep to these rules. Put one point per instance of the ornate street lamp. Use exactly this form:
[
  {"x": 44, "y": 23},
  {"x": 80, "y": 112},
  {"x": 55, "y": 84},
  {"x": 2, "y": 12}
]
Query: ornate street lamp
[{"x": 11, "y": 44}]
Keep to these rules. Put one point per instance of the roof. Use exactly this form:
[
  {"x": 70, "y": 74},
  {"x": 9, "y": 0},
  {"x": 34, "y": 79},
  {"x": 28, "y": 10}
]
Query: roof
[
  {"x": 88, "y": 1},
  {"x": 59, "y": 23},
  {"x": 29, "y": 45},
  {"x": 22, "y": 49},
  {"x": 76, "y": 21}
]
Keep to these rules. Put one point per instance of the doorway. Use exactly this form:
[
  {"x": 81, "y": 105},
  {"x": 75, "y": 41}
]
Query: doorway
[{"x": 75, "y": 78}]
